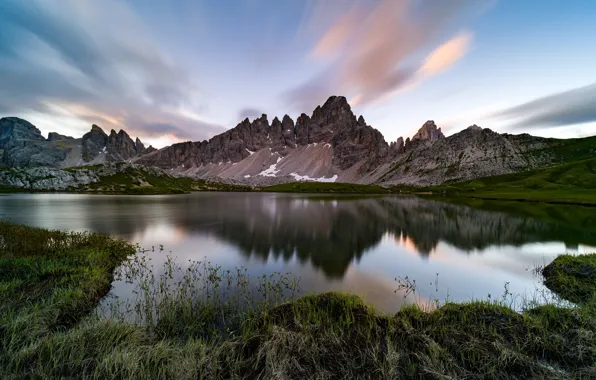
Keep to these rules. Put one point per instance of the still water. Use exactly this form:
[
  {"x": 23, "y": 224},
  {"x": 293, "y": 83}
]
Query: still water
[{"x": 354, "y": 244}]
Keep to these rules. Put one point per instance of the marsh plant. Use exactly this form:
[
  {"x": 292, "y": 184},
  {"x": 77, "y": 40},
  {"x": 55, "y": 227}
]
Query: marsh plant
[{"x": 179, "y": 297}]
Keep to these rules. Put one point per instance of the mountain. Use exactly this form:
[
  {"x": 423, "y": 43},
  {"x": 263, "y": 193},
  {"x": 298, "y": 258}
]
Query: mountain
[
  {"x": 333, "y": 145},
  {"x": 22, "y": 144},
  {"x": 322, "y": 146},
  {"x": 330, "y": 145}
]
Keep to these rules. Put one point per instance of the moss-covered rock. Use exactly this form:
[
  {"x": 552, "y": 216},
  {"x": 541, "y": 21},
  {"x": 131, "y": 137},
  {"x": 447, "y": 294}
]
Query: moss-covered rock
[{"x": 573, "y": 277}]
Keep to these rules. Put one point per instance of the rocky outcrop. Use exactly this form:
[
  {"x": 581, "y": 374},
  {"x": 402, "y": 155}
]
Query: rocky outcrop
[
  {"x": 14, "y": 132},
  {"x": 120, "y": 147},
  {"x": 94, "y": 143},
  {"x": 23, "y": 145},
  {"x": 53, "y": 136},
  {"x": 429, "y": 132},
  {"x": 53, "y": 179}
]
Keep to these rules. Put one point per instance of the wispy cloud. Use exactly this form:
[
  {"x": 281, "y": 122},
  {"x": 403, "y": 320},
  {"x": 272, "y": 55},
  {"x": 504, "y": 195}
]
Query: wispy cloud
[
  {"x": 95, "y": 59},
  {"x": 373, "y": 48},
  {"x": 571, "y": 107}
]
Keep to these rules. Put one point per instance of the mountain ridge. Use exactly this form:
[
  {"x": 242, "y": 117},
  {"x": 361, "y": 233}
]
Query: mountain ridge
[
  {"x": 330, "y": 145},
  {"x": 22, "y": 144}
]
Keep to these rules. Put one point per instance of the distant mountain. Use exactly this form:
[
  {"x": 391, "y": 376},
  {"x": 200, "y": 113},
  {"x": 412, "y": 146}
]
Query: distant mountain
[
  {"x": 324, "y": 146},
  {"x": 334, "y": 145},
  {"x": 22, "y": 144},
  {"x": 331, "y": 145}
]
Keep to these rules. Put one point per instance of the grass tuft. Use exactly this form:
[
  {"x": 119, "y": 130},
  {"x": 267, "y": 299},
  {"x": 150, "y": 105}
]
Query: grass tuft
[
  {"x": 573, "y": 277},
  {"x": 189, "y": 326}
]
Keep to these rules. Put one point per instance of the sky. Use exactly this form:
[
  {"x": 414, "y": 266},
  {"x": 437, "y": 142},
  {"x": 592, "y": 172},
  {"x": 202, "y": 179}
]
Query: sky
[{"x": 169, "y": 71}]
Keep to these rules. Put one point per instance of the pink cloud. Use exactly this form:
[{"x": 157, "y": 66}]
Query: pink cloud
[{"x": 375, "y": 49}]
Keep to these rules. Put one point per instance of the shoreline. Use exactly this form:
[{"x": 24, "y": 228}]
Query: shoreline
[{"x": 333, "y": 334}]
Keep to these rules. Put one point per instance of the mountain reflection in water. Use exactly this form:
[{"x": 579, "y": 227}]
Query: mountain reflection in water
[{"x": 324, "y": 238}]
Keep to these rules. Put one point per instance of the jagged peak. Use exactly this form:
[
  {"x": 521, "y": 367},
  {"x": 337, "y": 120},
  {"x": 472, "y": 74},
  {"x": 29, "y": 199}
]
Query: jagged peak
[
  {"x": 55, "y": 136},
  {"x": 429, "y": 131},
  {"x": 287, "y": 118},
  {"x": 302, "y": 118},
  {"x": 361, "y": 121},
  {"x": 336, "y": 101},
  {"x": 474, "y": 127},
  {"x": 276, "y": 120},
  {"x": 97, "y": 128},
  {"x": 263, "y": 118}
]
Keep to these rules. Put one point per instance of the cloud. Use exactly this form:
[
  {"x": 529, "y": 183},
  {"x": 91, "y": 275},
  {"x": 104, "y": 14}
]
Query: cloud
[
  {"x": 251, "y": 113},
  {"x": 373, "y": 48},
  {"x": 571, "y": 107},
  {"x": 97, "y": 61},
  {"x": 446, "y": 55}
]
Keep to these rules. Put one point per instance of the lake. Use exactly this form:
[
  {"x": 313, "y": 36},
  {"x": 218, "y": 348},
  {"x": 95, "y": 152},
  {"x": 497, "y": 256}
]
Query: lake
[{"x": 363, "y": 245}]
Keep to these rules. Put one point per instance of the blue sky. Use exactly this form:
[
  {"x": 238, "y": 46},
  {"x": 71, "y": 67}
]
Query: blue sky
[{"x": 170, "y": 71}]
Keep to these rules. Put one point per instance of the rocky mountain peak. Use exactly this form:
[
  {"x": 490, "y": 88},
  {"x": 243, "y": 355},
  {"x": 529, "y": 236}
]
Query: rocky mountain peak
[
  {"x": 53, "y": 136},
  {"x": 94, "y": 142},
  {"x": 336, "y": 103},
  {"x": 14, "y": 130},
  {"x": 287, "y": 119},
  {"x": 429, "y": 132},
  {"x": 140, "y": 147},
  {"x": 96, "y": 128},
  {"x": 474, "y": 127},
  {"x": 120, "y": 146},
  {"x": 361, "y": 121}
]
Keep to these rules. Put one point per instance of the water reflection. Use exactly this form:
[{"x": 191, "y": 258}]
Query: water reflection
[{"x": 332, "y": 242}]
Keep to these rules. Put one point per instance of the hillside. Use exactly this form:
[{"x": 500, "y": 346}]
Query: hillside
[
  {"x": 571, "y": 182},
  {"x": 109, "y": 178}
]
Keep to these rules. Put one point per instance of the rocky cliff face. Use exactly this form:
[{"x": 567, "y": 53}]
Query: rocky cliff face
[
  {"x": 54, "y": 179},
  {"x": 429, "y": 132},
  {"x": 94, "y": 143},
  {"x": 22, "y": 144},
  {"x": 333, "y": 144},
  {"x": 472, "y": 153},
  {"x": 53, "y": 136},
  {"x": 319, "y": 146}
]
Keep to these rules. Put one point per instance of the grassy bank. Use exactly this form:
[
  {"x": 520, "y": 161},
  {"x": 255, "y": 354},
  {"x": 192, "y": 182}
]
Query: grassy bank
[
  {"x": 573, "y": 277},
  {"x": 142, "y": 182},
  {"x": 573, "y": 183},
  {"x": 335, "y": 187},
  {"x": 49, "y": 281}
]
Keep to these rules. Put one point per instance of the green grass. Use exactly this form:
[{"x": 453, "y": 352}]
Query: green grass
[
  {"x": 11, "y": 189},
  {"x": 573, "y": 277},
  {"x": 334, "y": 187},
  {"x": 569, "y": 150},
  {"x": 142, "y": 182},
  {"x": 50, "y": 280},
  {"x": 573, "y": 182}
]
